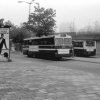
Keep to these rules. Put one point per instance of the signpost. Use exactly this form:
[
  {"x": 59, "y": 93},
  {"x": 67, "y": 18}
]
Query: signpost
[{"x": 5, "y": 42}]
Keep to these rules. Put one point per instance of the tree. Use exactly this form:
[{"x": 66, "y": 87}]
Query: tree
[
  {"x": 17, "y": 34},
  {"x": 41, "y": 21}
]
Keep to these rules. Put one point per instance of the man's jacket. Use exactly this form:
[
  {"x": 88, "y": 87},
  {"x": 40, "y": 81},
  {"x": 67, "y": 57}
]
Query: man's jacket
[{"x": 2, "y": 42}]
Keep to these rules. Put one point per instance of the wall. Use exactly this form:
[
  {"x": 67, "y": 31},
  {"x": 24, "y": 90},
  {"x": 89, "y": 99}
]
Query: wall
[{"x": 98, "y": 47}]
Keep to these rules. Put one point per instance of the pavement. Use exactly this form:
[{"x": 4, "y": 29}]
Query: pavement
[
  {"x": 22, "y": 80},
  {"x": 89, "y": 59}
]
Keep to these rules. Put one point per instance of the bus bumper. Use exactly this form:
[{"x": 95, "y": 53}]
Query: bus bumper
[{"x": 90, "y": 53}]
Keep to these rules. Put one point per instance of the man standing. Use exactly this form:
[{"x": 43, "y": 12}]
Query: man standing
[{"x": 2, "y": 41}]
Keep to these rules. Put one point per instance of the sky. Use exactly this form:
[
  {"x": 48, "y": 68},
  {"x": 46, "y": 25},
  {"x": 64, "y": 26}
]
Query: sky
[{"x": 80, "y": 12}]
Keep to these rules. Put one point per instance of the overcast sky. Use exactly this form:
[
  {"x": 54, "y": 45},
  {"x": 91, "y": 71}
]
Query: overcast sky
[{"x": 81, "y": 12}]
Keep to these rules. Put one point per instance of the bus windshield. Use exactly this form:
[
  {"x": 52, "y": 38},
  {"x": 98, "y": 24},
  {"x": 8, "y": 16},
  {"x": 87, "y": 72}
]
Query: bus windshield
[
  {"x": 90, "y": 43},
  {"x": 63, "y": 41},
  {"x": 78, "y": 44}
]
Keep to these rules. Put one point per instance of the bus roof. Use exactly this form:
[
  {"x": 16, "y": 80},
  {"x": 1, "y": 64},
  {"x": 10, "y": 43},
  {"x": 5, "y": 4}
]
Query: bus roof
[
  {"x": 50, "y": 36},
  {"x": 81, "y": 40}
]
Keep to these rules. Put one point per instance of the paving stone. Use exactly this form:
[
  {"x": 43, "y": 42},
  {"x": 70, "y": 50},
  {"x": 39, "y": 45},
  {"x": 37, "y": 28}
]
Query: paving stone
[{"x": 20, "y": 80}]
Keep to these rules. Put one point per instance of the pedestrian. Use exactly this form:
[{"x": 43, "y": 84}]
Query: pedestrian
[{"x": 2, "y": 41}]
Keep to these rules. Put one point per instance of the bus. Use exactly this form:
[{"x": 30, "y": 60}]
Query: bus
[
  {"x": 84, "y": 47},
  {"x": 56, "y": 46},
  {"x": 25, "y": 46}
]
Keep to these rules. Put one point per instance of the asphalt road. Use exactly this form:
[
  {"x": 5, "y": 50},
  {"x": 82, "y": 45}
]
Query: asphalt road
[
  {"x": 41, "y": 79},
  {"x": 76, "y": 63}
]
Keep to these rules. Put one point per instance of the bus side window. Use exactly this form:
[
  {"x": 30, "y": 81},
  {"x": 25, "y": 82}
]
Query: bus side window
[
  {"x": 78, "y": 44},
  {"x": 41, "y": 41},
  {"x": 45, "y": 42},
  {"x": 50, "y": 41},
  {"x": 32, "y": 42}
]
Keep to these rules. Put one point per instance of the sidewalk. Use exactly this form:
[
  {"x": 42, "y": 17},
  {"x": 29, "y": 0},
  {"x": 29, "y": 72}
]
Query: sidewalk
[
  {"x": 97, "y": 56},
  {"x": 90, "y": 59},
  {"x": 22, "y": 80},
  {"x": 3, "y": 59}
]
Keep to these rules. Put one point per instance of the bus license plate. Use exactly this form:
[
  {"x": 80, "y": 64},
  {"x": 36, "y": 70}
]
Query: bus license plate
[
  {"x": 33, "y": 48},
  {"x": 63, "y": 51},
  {"x": 89, "y": 49}
]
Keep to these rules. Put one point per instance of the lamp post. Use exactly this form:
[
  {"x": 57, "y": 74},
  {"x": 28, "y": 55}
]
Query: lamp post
[{"x": 29, "y": 3}]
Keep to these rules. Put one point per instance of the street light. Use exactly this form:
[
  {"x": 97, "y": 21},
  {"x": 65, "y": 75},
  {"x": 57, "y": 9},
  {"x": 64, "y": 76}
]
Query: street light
[{"x": 29, "y": 3}]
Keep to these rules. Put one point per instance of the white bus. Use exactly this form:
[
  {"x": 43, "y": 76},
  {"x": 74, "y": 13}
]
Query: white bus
[
  {"x": 57, "y": 46},
  {"x": 84, "y": 47}
]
